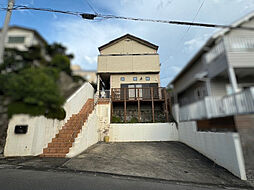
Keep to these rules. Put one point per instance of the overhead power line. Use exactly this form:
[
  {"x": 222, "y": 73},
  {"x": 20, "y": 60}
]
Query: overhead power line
[
  {"x": 93, "y": 16},
  {"x": 186, "y": 31},
  {"x": 91, "y": 7}
]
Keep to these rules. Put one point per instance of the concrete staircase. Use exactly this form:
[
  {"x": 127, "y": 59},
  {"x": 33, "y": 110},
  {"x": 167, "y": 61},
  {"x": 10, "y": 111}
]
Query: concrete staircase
[{"x": 62, "y": 142}]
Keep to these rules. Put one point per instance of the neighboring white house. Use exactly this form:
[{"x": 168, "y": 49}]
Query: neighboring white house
[
  {"x": 213, "y": 99},
  {"x": 22, "y": 38},
  {"x": 222, "y": 67}
]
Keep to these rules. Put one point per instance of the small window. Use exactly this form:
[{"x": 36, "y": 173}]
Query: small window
[
  {"x": 135, "y": 78},
  {"x": 147, "y": 78},
  {"x": 16, "y": 39},
  {"x": 122, "y": 78}
]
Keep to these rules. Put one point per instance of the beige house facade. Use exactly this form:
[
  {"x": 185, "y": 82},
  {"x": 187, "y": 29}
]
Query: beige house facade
[
  {"x": 128, "y": 60},
  {"x": 129, "y": 77}
]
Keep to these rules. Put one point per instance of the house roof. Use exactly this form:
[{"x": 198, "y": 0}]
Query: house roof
[
  {"x": 29, "y": 29},
  {"x": 209, "y": 42},
  {"x": 144, "y": 42}
]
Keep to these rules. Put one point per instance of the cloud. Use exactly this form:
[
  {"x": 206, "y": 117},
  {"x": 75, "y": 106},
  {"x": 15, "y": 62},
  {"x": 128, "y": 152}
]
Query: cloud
[
  {"x": 195, "y": 43},
  {"x": 83, "y": 37},
  {"x": 176, "y": 45}
]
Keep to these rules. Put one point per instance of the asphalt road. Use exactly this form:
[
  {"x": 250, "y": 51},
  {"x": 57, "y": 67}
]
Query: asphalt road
[{"x": 19, "y": 179}]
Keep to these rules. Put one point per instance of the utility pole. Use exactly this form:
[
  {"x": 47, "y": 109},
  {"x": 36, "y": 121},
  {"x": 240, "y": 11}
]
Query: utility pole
[{"x": 5, "y": 28}]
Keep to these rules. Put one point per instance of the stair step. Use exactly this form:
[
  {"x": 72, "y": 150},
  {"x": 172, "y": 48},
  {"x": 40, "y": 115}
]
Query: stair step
[
  {"x": 64, "y": 140},
  {"x": 59, "y": 155},
  {"x": 59, "y": 145}
]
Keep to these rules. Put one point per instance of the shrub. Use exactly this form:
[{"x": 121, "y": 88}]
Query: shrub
[
  {"x": 134, "y": 120},
  {"x": 116, "y": 119},
  {"x": 58, "y": 113},
  {"x": 22, "y": 108}
]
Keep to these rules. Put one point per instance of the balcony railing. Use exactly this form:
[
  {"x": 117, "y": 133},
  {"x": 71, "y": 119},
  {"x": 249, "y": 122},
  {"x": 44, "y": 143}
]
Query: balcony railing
[
  {"x": 212, "y": 107},
  {"x": 145, "y": 94},
  {"x": 229, "y": 44}
]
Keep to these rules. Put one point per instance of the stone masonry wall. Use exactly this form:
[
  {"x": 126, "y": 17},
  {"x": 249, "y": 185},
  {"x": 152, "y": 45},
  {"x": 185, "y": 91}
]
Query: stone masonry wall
[{"x": 3, "y": 122}]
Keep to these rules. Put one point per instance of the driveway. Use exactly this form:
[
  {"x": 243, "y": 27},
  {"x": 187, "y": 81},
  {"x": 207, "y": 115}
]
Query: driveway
[
  {"x": 172, "y": 161},
  {"x": 166, "y": 162}
]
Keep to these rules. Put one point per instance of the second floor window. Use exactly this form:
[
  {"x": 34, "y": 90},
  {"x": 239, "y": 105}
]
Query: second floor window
[
  {"x": 122, "y": 78},
  {"x": 135, "y": 78},
  {"x": 16, "y": 39},
  {"x": 147, "y": 78}
]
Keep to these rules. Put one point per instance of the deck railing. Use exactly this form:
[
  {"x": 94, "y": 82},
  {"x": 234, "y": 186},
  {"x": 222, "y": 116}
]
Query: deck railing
[
  {"x": 211, "y": 107},
  {"x": 149, "y": 94}
]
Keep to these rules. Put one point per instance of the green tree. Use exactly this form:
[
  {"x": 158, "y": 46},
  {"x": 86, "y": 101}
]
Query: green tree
[
  {"x": 62, "y": 63},
  {"x": 34, "y": 88}
]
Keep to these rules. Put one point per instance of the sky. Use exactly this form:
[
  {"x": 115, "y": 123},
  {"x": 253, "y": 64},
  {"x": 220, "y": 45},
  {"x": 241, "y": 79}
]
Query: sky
[{"x": 177, "y": 44}]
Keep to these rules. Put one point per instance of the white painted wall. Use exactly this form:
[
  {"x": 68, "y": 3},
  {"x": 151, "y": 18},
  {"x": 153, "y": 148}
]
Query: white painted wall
[
  {"x": 222, "y": 148},
  {"x": 40, "y": 129},
  {"x": 40, "y": 132},
  {"x": 143, "y": 132},
  {"x": 88, "y": 136},
  {"x": 74, "y": 104},
  {"x": 103, "y": 113}
]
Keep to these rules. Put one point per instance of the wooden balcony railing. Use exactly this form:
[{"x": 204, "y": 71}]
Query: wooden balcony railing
[
  {"x": 145, "y": 94},
  {"x": 151, "y": 94}
]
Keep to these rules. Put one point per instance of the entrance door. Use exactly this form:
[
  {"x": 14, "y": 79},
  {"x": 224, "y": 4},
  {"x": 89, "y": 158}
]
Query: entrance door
[{"x": 139, "y": 90}]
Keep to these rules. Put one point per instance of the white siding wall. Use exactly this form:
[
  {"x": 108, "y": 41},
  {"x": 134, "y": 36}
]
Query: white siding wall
[
  {"x": 188, "y": 77},
  {"x": 242, "y": 58}
]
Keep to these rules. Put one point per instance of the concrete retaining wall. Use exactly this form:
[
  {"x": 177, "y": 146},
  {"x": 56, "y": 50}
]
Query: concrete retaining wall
[
  {"x": 88, "y": 136},
  {"x": 143, "y": 132},
  {"x": 223, "y": 148},
  {"x": 40, "y": 129}
]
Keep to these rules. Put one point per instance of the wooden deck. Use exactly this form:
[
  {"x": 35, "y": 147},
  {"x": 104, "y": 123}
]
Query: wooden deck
[{"x": 138, "y": 95}]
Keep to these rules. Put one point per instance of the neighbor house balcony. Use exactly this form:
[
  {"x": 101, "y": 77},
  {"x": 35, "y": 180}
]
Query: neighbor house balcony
[
  {"x": 238, "y": 52},
  {"x": 214, "y": 107}
]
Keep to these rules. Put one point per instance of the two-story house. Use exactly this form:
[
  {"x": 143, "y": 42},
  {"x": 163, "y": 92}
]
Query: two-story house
[
  {"x": 129, "y": 74},
  {"x": 22, "y": 38},
  {"x": 222, "y": 67}
]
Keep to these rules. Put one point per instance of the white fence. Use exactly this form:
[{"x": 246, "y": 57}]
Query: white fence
[{"x": 210, "y": 107}]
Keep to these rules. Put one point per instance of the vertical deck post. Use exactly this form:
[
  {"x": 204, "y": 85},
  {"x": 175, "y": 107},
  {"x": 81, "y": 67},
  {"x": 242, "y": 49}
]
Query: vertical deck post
[
  {"x": 166, "y": 104},
  {"x": 111, "y": 113},
  {"x": 124, "y": 105},
  {"x": 139, "y": 114},
  {"x": 152, "y": 103}
]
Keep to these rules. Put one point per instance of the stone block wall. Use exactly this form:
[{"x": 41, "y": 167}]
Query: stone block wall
[{"x": 3, "y": 121}]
